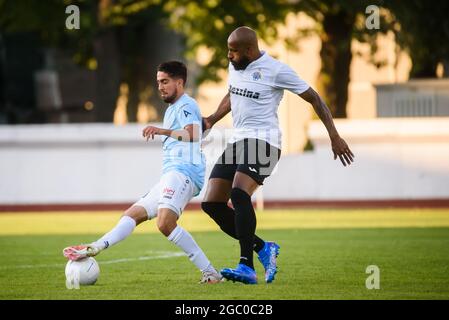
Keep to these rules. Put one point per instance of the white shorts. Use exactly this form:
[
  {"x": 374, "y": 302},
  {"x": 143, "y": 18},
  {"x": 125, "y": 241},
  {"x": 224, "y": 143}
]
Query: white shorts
[{"x": 173, "y": 191}]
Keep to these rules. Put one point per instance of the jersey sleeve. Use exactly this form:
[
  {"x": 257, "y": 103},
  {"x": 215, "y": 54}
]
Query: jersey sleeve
[
  {"x": 287, "y": 78},
  {"x": 188, "y": 114}
]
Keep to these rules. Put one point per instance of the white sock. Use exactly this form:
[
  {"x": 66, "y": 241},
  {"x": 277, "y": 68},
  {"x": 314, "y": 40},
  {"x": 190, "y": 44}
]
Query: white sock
[
  {"x": 185, "y": 241},
  {"x": 124, "y": 228}
]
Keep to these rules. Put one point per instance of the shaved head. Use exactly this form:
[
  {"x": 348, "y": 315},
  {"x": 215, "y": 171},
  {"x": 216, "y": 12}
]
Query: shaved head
[
  {"x": 243, "y": 47},
  {"x": 243, "y": 36}
]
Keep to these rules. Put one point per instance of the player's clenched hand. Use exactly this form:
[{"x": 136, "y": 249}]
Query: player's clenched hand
[
  {"x": 150, "y": 132},
  {"x": 207, "y": 126},
  {"x": 341, "y": 149}
]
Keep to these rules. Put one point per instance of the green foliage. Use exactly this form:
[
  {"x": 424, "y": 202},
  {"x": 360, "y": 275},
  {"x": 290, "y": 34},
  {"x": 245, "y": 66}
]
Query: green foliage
[
  {"x": 47, "y": 19},
  {"x": 209, "y": 23},
  {"x": 422, "y": 28}
]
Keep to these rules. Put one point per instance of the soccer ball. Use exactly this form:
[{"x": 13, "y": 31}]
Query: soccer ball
[{"x": 82, "y": 272}]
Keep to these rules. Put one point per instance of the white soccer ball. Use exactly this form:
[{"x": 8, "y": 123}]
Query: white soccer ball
[{"x": 82, "y": 272}]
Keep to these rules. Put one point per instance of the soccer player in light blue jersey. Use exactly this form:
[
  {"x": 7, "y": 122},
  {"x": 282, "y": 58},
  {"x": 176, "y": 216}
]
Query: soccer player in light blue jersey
[{"x": 182, "y": 178}]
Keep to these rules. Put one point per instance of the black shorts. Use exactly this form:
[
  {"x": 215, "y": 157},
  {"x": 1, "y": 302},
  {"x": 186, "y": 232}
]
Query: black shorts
[{"x": 254, "y": 157}]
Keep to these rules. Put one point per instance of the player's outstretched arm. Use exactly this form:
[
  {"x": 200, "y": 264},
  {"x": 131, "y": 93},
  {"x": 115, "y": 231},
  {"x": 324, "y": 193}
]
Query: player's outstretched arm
[
  {"x": 339, "y": 146},
  {"x": 190, "y": 133},
  {"x": 223, "y": 109}
]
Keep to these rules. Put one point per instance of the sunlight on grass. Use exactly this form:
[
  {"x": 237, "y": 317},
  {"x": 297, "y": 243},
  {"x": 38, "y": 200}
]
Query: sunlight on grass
[{"x": 99, "y": 222}]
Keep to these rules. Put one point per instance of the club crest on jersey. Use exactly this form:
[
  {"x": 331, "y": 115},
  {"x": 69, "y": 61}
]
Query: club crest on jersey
[{"x": 257, "y": 76}]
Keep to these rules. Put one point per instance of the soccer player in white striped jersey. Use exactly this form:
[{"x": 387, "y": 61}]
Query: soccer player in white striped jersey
[
  {"x": 256, "y": 85},
  {"x": 183, "y": 176}
]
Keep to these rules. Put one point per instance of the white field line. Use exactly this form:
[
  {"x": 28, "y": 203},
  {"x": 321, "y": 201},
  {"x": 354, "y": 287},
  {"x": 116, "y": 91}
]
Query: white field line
[{"x": 159, "y": 255}]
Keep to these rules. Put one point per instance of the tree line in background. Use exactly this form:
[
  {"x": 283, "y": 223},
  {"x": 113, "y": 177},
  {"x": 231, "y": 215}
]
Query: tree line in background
[{"x": 123, "y": 41}]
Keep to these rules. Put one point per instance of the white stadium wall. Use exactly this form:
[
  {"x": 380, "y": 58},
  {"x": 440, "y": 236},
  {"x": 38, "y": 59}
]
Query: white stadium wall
[
  {"x": 76, "y": 163},
  {"x": 396, "y": 159}
]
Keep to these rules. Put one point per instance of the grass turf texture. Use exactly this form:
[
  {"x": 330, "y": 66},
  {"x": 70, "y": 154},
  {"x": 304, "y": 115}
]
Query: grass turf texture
[{"x": 324, "y": 255}]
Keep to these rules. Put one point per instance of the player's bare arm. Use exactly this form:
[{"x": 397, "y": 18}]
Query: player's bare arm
[
  {"x": 190, "y": 133},
  {"x": 223, "y": 109},
  {"x": 339, "y": 146}
]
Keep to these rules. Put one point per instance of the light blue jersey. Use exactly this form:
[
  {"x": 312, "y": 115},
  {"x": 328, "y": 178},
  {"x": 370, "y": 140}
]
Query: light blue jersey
[{"x": 184, "y": 157}]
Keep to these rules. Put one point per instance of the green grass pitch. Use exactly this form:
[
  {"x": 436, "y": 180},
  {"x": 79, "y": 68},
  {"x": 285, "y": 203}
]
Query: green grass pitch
[{"x": 321, "y": 257}]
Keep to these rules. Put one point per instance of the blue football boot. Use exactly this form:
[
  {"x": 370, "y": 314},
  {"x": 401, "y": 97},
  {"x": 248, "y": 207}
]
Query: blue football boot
[
  {"x": 267, "y": 256},
  {"x": 242, "y": 273}
]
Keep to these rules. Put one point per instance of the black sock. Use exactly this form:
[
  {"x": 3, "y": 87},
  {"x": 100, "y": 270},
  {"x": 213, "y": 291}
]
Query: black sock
[
  {"x": 245, "y": 224},
  {"x": 224, "y": 216}
]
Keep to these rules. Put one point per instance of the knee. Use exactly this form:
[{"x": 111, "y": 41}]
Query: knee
[
  {"x": 216, "y": 210},
  {"x": 206, "y": 207},
  {"x": 238, "y": 197},
  {"x": 164, "y": 227},
  {"x": 211, "y": 207},
  {"x": 137, "y": 213}
]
